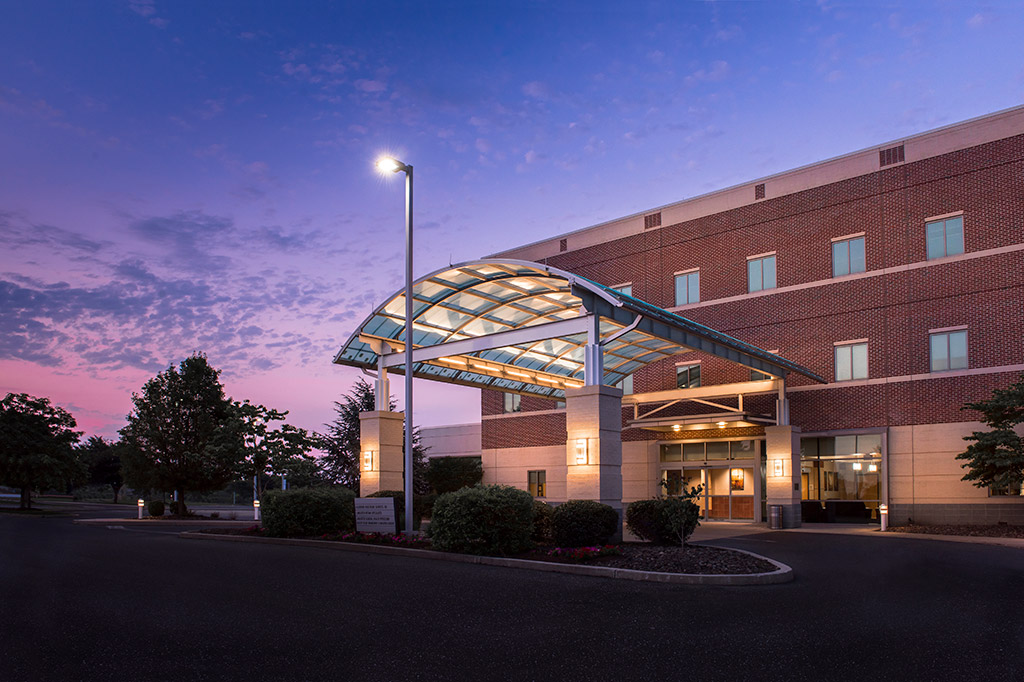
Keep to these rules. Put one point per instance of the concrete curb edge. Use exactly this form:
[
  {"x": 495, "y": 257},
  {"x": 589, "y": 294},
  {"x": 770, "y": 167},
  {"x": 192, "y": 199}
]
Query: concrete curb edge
[{"x": 782, "y": 573}]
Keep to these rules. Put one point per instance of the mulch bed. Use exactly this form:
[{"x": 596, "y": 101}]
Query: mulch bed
[
  {"x": 1000, "y": 530},
  {"x": 693, "y": 559}
]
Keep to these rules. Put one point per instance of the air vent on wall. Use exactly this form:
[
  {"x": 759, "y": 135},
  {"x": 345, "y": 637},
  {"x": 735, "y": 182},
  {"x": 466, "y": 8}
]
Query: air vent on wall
[
  {"x": 652, "y": 220},
  {"x": 759, "y": 191},
  {"x": 563, "y": 245},
  {"x": 887, "y": 157}
]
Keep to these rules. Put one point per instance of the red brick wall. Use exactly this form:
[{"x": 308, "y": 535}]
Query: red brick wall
[{"x": 894, "y": 311}]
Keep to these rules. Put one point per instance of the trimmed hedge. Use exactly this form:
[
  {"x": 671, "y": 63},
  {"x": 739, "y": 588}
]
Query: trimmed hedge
[
  {"x": 422, "y": 506},
  {"x": 583, "y": 523},
  {"x": 155, "y": 507},
  {"x": 308, "y": 511},
  {"x": 664, "y": 520},
  {"x": 542, "y": 513},
  {"x": 484, "y": 519}
]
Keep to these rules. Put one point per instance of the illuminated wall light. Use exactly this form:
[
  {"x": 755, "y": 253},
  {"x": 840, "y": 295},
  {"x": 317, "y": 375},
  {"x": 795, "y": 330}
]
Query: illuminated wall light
[
  {"x": 721, "y": 425},
  {"x": 368, "y": 460},
  {"x": 872, "y": 467},
  {"x": 857, "y": 466},
  {"x": 676, "y": 427},
  {"x": 778, "y": 468},
  {"x": 581, "y": 450}
]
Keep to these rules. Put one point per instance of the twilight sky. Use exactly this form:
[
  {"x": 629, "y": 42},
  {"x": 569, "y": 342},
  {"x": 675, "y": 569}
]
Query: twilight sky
[{"x": 190, "y": 175}]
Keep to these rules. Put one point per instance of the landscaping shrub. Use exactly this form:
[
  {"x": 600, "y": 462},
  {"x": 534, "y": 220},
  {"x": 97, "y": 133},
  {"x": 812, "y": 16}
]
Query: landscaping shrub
[
  {"x": 484, "y": 519},
  {"x": 308, "y": 511},
  {"x": 155, "y": 508},
  {"x": 448, "y": 474},
  {"x": 422, "y": 505},
  {"x": 663, "y": 521},
  {"x": 579, "y": 523},
  {"x": 542, "y": 512}
]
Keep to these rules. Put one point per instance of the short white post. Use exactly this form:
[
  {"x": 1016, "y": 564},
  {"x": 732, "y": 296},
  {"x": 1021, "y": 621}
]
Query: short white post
[
  {"x": 142, "y": 503},
  {"x": 255, "y": 510},
  {"x": 883, "y": 516},
  {"x": 284, "y": 482}
]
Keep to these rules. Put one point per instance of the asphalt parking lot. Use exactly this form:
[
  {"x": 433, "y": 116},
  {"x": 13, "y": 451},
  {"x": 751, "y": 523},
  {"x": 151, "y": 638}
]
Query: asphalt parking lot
[{"x": 138, "y": 603}]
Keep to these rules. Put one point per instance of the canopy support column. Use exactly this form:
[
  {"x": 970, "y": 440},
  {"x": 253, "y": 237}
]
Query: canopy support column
[
  {"x": 593, "y": 425},
  {"x": 593, "y": 355}
]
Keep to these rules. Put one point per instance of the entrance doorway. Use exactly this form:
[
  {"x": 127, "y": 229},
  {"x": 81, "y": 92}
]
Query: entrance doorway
[{"x": 727, "y": 492}]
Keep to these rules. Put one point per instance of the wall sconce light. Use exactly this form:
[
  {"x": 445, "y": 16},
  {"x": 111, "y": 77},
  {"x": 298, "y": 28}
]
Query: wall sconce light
[
  {"x": 857, "y": 466},
  {"x": 676, "y": 427},
  {"x": 872, "y": 467},
  {"x": 721, "y": 425},
  {"x": 778, "y": 469},
  {"x": 581, "y": 451},
  {"x": 367, "y": 460}
]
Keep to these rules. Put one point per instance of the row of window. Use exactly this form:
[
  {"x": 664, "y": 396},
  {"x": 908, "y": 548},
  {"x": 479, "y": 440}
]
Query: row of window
[
  {"x": 943, "y": 238},
  {"x": 947, "y": 351}
]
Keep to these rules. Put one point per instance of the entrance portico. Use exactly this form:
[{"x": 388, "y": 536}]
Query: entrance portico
[{"x": 528, "y": 328}]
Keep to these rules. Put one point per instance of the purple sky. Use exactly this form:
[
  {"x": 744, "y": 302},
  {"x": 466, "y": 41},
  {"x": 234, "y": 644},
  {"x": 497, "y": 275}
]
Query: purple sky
[{"x": 179, "y": 176}]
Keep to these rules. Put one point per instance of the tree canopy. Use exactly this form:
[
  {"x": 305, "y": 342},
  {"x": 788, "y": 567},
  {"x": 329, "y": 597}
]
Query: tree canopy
[
  {"x": 183, "y": 433},
  {"x": 995, "y": 458},
  {"x": 103, "y": 461},
  {"x": 37, "y": 445},
  {"x": 270, "y": 452},
  {"x": 341, "y": 441}
]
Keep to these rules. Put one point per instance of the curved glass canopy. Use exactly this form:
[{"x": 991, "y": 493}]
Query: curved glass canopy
[{"x": 522, "y": 327}]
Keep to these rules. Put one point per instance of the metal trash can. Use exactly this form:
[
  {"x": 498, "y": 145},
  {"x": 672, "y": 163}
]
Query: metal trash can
[{"x": 775, "y": 517}]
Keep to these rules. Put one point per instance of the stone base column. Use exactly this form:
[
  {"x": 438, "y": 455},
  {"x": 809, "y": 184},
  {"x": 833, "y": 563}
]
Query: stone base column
[
  {"x": 783, "y": 472},
  {"x": 381, "y": 456},
  {"x": 593, "y": 446}
]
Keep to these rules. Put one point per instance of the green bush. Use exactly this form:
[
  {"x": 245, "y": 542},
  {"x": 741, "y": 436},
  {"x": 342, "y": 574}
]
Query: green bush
[
  {"x": 308, "y": 511},
  {"x": 542, "y": 512},
  {"x": 581, "y": 523},
  {"x": 484, "y": 519},
  {"x": 155, "y": 507},
  {"x": 448, "y": 474},
  {"x": 422, "y": 506},
  {"x": 663, "y": 521}
]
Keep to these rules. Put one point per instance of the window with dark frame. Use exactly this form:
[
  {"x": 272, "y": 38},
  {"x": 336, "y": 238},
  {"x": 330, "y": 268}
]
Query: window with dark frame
[
  {"x": 688, "y": 376},
  {"x": 538, "y": 483}
]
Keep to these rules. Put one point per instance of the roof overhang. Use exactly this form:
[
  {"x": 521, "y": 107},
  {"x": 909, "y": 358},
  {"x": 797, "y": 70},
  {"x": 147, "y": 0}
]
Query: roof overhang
[{"x": 523, "y": 327}]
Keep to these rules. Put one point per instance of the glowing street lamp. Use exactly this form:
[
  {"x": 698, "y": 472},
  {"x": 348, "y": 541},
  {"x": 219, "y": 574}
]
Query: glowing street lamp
[{"x": 388, "y": 164}]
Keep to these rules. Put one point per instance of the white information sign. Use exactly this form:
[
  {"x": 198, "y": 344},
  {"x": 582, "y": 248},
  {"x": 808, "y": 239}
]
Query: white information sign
[{"x": 375, "y": 514}]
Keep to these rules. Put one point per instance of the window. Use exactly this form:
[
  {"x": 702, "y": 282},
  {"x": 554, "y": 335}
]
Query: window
[
  {"x": 848, "y": 256},
  {"x": 756, "y": 375},
  {"x": 944, "y": 237},
  {"x": 626, "y": 385},
  {"x": 948, "y": 350},
  {"x": 538, "y": 483},
  {"x": 1005, "y": 491},
  {"x": 852, "y": 361},
  {"x": 761, "y": 273},
  {"x": 626, "y": 289},
  {"x": 513, "y": 402},
  {"x": 688, "y": 287},
  {"x": 688, "y": 376},
  {"x": 559, "y": 404}
]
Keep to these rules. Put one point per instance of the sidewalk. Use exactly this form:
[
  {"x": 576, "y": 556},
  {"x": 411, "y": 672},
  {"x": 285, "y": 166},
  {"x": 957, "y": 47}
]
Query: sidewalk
[{"x": 718, "y": 530}]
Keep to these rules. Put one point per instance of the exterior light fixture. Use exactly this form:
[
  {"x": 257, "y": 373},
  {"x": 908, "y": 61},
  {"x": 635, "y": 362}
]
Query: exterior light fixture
[
  {"x": 581, "y": 450},
  {"x": 778, "y": 468},
  {"x": 883, "y": 516},
  {"x": 676, "y": 427},
  {"x": 368, "y": 460},
  {"x": 141, "y": 503},
  {"x": 872, "y": 467},
  {"x": 857, "y": 466},
  {"x": 255, "y": 510},
  {"x": 721, "y": 425},
  {"x": 388, "y": 164}
]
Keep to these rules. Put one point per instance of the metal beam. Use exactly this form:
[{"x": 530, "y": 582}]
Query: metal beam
[
  {"x": 719, "y": 391},
  {"x": 512, "y": 337}
]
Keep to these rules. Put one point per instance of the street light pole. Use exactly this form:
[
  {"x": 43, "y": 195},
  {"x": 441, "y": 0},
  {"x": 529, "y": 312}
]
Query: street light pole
[{"x": 393, "y": 165}]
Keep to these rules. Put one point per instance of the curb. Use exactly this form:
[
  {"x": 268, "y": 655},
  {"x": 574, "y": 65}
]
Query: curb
[
  {"x": 221, "y": 523},
  {"x": 782, "y": 573}
]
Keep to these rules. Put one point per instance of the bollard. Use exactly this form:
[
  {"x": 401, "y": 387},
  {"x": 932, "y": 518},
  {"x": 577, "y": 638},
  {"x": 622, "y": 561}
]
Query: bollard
[
  {"x": 883, "y": 516},
  {"x": 142, "y": 503},
  {"x": 255, "y": 510}
]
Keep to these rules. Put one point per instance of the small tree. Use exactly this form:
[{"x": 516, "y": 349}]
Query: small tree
[
  {"x": 183, "y": 433},
  {"x": 270, "y": 452},
  {"x": 37, "y": 445},
  {"x": 341, "y": 442},
  {"x": 996, "y": 458},
  {"x": 104, "y": 463},
  {"x": 448, "y": 474}
]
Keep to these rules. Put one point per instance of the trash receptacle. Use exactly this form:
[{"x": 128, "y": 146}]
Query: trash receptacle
[{"x": 775, "y": 517}]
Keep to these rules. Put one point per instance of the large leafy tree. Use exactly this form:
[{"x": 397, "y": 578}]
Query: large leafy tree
[
  {"x": 995, "y": 458},
  {"x": 341, "y": 441},
  {"x": 269, "y": 451},
  {"x": 104, "y": 463},
  {"x": 183, "y": 433},
  {"x": 37, "y": 445}
]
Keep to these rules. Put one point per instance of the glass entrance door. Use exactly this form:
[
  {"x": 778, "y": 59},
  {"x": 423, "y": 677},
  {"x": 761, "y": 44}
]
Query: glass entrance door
[{"x": 730, "y": 493}]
